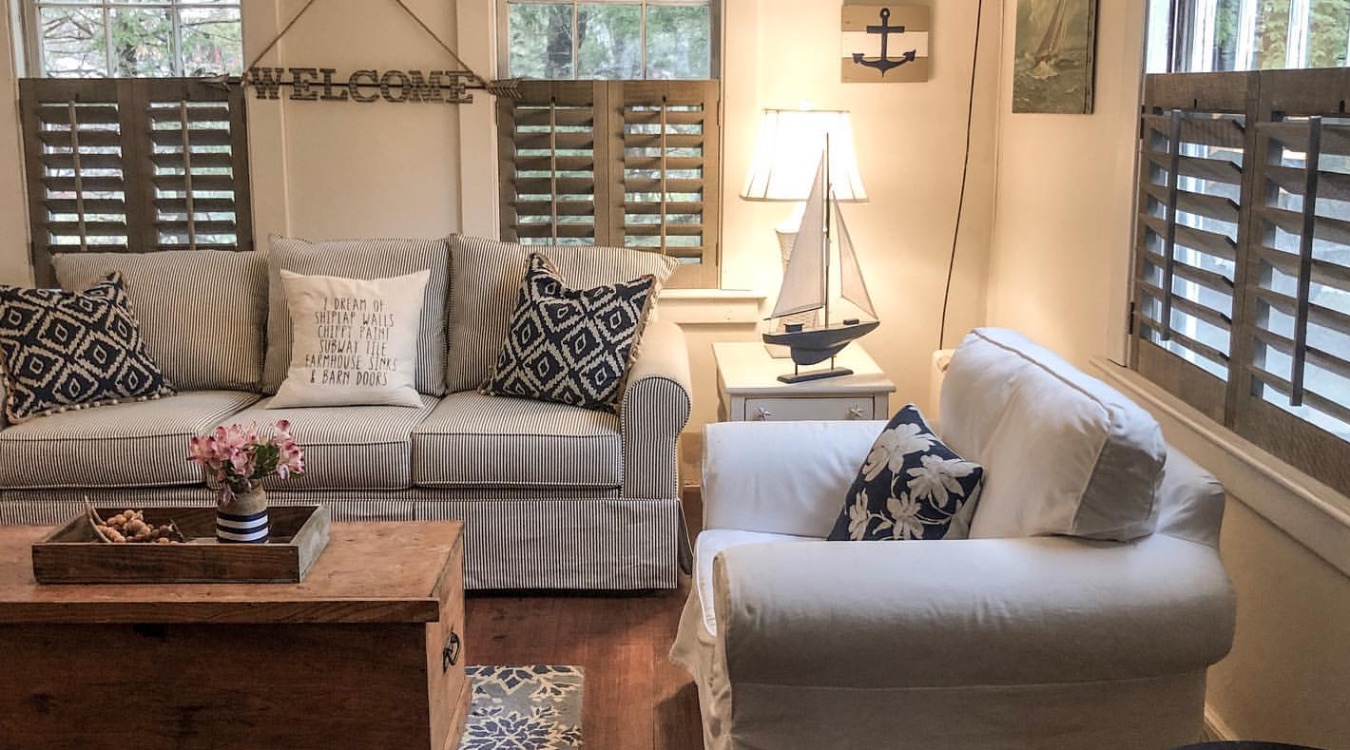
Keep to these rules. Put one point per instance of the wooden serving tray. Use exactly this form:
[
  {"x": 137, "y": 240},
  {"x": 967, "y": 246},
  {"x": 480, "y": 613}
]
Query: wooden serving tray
[{"x": 73, "y": 554}]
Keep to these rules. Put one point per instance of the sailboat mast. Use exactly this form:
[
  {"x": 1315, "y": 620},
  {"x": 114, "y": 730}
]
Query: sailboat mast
[{"x": 825, "y": 206}]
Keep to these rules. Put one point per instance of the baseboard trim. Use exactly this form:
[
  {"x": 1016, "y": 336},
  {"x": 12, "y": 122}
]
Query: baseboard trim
[{"x": 1216, "y": 728}]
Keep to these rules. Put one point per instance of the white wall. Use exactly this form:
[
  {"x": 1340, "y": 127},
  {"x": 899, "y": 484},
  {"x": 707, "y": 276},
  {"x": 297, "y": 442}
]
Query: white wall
[
  {"x": 342, "y": 169},
  {"x": 1064, "y": 208},
  {"x": 14, "y": 265}
]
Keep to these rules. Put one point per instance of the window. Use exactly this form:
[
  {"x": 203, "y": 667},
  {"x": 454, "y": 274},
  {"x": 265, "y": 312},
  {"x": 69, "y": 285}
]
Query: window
[
  {"x": 609, "y": 39},
  {"x": 122, "y": 153},
  {"x": 133, "y": 38},
  {"x": 1241, "y": 302},
  {"x": 1228, "y": 35},
  {"x": 618, "y": 142}
]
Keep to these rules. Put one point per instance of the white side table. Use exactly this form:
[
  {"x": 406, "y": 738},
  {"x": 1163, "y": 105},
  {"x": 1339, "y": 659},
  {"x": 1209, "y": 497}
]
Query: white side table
[{"x": 749, "y": 389}]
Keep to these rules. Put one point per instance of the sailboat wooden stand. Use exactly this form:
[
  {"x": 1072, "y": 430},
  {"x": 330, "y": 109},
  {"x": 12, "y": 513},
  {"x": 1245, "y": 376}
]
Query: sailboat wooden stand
[{"x": 806, "y": 288}]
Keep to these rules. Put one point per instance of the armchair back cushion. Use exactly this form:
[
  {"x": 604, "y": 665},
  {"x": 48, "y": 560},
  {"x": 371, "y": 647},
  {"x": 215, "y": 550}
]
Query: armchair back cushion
[
  {"x": 786, "y": 477},
  {"x": 1063, "y": 452},
  {"x": 201, "y": 311},
  {"x": 486, "y": 283}
]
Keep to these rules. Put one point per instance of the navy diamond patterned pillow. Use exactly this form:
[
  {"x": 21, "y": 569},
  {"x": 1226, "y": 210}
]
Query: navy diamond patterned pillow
[
  {"x": 569, "y": 345},
  {"x": 911, "y": 486},
  {"x": 64, "y": 350}
]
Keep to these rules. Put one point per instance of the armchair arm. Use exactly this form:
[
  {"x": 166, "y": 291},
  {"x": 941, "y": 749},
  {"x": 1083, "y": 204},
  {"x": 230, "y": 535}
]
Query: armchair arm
[
  {"x": 655, "y": 409},
  {"x": 781, "y": 477},
  {"x": 973, "y": 612}
]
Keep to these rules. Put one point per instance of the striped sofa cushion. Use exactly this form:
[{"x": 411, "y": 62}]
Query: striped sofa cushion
[
  {"x": 349, "y": 448},
  {"x": 360, "y": 259},
  {"x": 142, "y": 444},
  {"x": 201, "y": 311},
  {"x": 486, "y": 278},
  {"x": 474, "y": 440}
]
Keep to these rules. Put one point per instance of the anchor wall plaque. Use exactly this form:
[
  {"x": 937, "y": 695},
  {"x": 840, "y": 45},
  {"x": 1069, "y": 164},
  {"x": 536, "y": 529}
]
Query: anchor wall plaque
[{"x": 884, "y": 43}]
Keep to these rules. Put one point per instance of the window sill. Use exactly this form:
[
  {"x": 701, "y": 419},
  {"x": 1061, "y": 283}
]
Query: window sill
[
  {"x": 711, "y": 306},
  {"x": 1315, "y": 515}
]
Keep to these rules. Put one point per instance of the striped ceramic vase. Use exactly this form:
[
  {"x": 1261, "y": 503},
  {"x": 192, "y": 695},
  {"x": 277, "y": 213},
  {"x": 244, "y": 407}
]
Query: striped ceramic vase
[{"x": 243, "y": 520}]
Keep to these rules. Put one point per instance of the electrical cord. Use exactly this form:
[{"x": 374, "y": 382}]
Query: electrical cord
[{"x": 965, "y": 174}]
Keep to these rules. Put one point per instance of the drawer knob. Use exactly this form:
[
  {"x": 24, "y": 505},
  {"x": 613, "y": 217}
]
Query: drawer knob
[
  {"x": 450, "y": 655},
  {"x": 762, "y": 414},
  {"x": 855, "y": 412}
]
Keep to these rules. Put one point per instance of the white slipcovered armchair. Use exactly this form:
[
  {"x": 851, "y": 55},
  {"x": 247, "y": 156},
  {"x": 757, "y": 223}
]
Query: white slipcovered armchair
[{"x": 1047, "y": 642}]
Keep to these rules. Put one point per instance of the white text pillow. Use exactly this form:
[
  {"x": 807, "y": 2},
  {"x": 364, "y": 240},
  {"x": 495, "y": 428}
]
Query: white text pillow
[{"x": 354, "y": 341}]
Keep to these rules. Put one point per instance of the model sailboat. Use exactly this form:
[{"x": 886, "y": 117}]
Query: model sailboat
[{"x": 806, "y": 288}]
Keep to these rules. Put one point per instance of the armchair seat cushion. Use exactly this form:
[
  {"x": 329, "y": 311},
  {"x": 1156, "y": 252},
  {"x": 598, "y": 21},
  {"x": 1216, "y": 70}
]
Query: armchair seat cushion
[
  {"x": 476, "y": 440},
  {"x": 348, "y": 447},
  {"x": 142, "y": 444}
]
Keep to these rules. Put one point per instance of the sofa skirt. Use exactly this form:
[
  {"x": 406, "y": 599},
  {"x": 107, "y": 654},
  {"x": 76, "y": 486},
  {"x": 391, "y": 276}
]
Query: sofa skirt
[{"x": 560, "y": 542}]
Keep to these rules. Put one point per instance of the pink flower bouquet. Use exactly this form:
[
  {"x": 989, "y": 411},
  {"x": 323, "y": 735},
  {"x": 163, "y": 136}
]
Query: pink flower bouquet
[{"x": 237, "y": 459}]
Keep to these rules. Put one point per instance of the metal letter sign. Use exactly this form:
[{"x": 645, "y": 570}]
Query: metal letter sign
[
  {"x": 866, "y": 45},
  {"x": 397, "y": 86}
]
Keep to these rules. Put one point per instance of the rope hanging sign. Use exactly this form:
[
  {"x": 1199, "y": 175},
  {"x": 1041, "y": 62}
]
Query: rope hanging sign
[{"x": 366, "y": 86}]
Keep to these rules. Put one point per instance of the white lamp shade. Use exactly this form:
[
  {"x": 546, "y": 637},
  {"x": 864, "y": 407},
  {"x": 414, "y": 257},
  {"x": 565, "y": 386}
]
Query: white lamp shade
[{"x": 788, "y": 154}]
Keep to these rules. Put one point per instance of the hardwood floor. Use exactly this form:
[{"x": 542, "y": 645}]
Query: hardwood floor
[{"x": 634, "y": 698}]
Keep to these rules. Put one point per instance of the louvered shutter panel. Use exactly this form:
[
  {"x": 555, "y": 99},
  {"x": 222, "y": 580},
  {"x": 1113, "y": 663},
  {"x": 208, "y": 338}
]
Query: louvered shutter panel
[
  {"x": 77, "y": 182},
  {"x": 134, "y": 165},
  {"x": 619, "y": 163},
  {"x": 1242, "y": 261},
  {"x": 1294, "y": 396},
  {"x": 199, "y": 199},
  {"x": 1192, "y": 166},
  {"x": 670, "y": 159},
  {"x": 548, "y": 165}
]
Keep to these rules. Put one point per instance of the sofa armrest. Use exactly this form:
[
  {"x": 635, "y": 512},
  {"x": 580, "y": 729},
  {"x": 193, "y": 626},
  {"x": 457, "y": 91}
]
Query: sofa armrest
[
  {"x": 973, "y": 612},
  {"x": 781, "y": 477},
  {"x": 656, "y": 407}
]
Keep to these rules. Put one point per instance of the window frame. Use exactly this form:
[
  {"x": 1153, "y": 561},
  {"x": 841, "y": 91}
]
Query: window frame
[
  {"x": 607, "y": 100},
  {"x": 33, "y": 42},
  {"x": 714, "y": 34}
]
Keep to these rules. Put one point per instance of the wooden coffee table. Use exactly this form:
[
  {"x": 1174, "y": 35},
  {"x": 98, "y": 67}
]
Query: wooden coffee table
[{"x": 366, "y": 653}]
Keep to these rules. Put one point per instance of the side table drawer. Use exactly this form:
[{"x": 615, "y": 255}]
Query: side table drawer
[{"x": 795, "y": 409}]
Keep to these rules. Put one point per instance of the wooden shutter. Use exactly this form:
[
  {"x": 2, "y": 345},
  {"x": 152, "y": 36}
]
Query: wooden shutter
[
  {"x": 134, "y": 165},
  {"x": 1192, "y": 167},
  {"x": 618, "y": 163},
  {"x": 1242, "y": 257},
  {"x": 670, "y": 162},
  {"x": 1293, "y": 393}
]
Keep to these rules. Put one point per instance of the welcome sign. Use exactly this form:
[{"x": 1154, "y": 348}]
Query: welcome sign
[{"x": 308, "y": 84}]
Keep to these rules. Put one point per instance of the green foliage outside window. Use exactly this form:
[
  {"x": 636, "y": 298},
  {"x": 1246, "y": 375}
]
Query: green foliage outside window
[
  {"x": 566, "y": 40},
  {"x": 140, "y": 39}
]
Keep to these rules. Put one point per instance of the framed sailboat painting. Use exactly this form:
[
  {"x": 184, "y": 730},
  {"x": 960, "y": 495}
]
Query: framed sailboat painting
[{"x": 1056, "y": 49}]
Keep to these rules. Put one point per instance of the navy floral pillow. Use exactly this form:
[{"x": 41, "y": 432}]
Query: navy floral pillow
[{"x": 911, "y": 486}]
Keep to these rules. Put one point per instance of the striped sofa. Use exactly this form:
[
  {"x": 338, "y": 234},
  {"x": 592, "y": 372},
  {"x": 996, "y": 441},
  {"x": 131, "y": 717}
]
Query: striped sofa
[{"x": 554, "y": 496}]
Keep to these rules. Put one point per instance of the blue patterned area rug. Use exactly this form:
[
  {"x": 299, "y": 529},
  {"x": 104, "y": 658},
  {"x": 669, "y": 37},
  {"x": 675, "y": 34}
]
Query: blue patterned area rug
[{"x": 524, "y": 708}]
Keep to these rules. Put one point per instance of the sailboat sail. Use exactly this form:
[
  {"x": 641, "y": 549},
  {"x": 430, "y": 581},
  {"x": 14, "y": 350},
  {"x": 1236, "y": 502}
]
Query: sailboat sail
[
  {"x": 803, "y": 287},
  {"x": 1055, "y": 31},
  {"x": 851, "y": 285}
]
